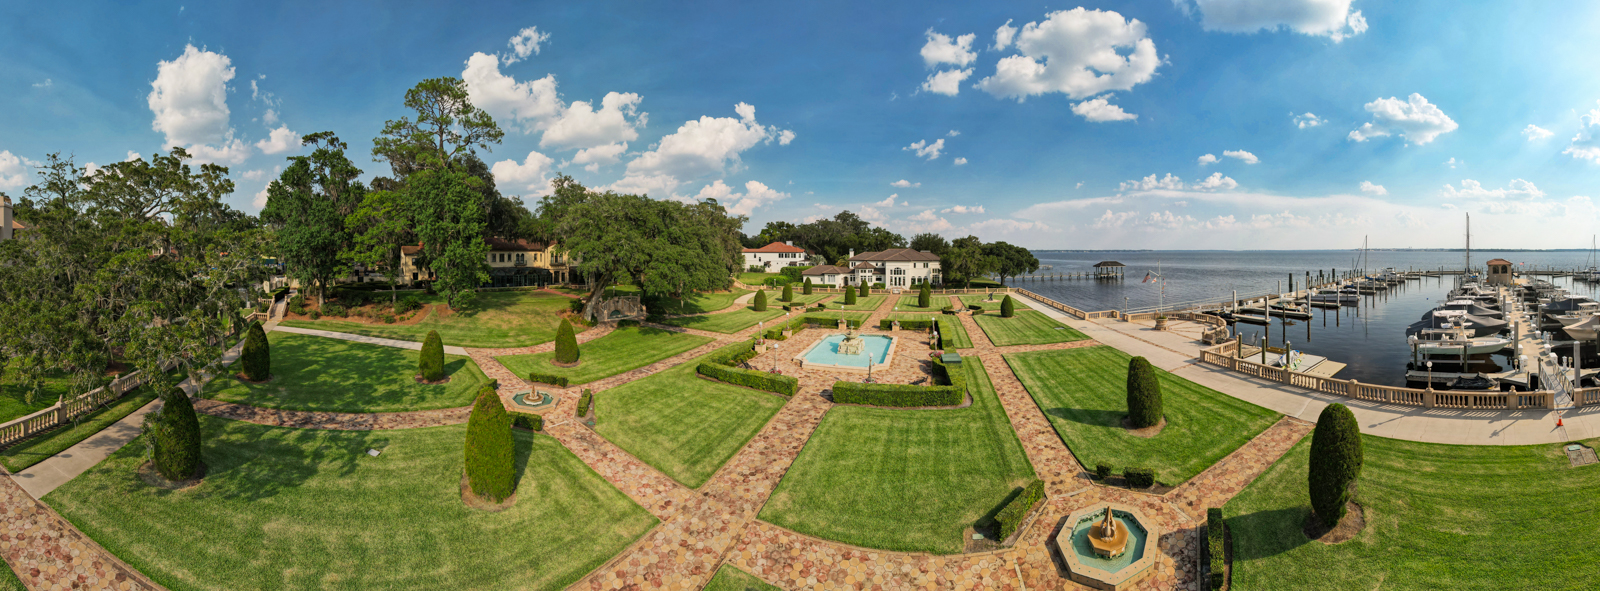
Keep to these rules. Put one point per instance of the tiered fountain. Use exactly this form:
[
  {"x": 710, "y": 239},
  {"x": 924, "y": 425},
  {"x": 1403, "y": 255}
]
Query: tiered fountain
[{"x": 1107, "y": 546}]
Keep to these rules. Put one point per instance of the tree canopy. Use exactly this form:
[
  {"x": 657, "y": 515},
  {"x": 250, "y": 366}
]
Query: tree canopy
[
  {"x": 308, "y": 205},
  {"x": 833, "y": 239},
  {"x": 1007, "y": 260}
]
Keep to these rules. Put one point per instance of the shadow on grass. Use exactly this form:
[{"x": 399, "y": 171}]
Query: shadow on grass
[
  {"x": 1091, "y": 417},
  {"x": 988, "y": 525},
  {"x": 262, "y": 467},
  {"x": 311, "y": 374},
  {"x": 1278, "y": 531}
]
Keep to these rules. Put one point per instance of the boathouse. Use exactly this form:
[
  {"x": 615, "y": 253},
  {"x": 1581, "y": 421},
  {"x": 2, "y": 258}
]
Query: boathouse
[
  {"x": 1108, "y": 270},
  {"x": 1500, "y": 272}
]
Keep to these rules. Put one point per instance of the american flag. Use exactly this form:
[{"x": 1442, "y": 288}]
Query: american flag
[{"x": 1148, "y": 277}]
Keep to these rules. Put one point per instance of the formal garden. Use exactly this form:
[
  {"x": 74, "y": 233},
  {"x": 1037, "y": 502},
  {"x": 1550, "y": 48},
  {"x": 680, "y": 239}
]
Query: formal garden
[
  {"x": 312, "y": 373},
  {"x": 491, "y": 319},
  {"x": 624, "y": 349},
  {"x": 1027, "y": 327}
]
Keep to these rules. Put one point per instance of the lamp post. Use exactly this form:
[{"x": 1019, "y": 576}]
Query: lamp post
[
  {"x": 869, "y": 368},
  {"x": 1430, "y": 375}
]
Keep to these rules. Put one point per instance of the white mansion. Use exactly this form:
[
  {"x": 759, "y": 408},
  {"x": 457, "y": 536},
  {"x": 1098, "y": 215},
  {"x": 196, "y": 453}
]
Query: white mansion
[
  {"x": 775, "y": 256},
  {"x": 896, "y": 267}
]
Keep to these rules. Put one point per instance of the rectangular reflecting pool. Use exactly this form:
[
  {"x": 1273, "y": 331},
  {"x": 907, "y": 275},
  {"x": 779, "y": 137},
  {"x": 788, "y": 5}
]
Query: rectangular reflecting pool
[{"x": 826, "y": 352}]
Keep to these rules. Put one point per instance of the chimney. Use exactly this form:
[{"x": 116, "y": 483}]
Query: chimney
[
  {"x": 789, "y": 242},
  {"x": 852, "y": 254},
  {"x": 5, "y": 217}
]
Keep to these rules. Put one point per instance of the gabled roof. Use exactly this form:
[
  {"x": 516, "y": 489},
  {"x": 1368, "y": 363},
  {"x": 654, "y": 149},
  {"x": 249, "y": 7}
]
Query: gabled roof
[
  {"x": 1498, "y": 262},
  {"x": 776, "y": 247},
  {"x": 896, "y": 254},
  {"x": 1108, "y": 264},
  {"x": 502, "y": 245},
  {"x": 825, "y": 270},
  {"x": 16, "y": 225},
  {"x": 865, "y": 265}
]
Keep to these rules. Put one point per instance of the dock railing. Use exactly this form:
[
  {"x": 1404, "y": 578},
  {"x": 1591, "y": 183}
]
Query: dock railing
[{"x": 1225, "y": 356}]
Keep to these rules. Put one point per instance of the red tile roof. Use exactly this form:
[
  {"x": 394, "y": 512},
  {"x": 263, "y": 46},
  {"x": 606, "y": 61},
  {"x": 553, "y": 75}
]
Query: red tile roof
[
  {"x": 495, "y": 245},
  {"x": 776, "y": 247}
]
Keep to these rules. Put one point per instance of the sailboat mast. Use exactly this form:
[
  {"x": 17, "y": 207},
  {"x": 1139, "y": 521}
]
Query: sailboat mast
[{"x": 1469, "y": 245}]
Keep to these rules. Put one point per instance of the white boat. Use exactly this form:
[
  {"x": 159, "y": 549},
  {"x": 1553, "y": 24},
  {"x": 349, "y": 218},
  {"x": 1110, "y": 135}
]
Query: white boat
[
  {"x": 1335, "y": 296},
  {"x": 1585, "y": 330},
  {"x": 1453, "y": 341}
]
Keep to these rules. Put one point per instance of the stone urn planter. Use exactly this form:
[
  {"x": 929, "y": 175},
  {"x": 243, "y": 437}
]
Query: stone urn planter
[{"x": 1161, "y": 323}]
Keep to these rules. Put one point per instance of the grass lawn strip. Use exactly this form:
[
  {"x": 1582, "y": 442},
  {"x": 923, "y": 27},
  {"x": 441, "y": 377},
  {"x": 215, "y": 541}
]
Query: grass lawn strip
[
  {"x": 309, "y": 509},
  {"x": 1438, "y": 517},
  {"x": 949, "y": 326},
  {"x": 13, "y": 399},
  {"x": 727, "y": 323},
  {"x": 905, "y": 480},
  {"x": 908, "y": 303},
  {"x": 732, "y": 579},
  {"x": 23, "y": 455},
  {"x": 755, "y": 279},
  {"x": 685, "y": 426},
  {"x": 866, "y": 304},
  {"x": 1028, "y": 327},
  {"x": 625, "y": 349},
  {"x": 1084, "y": 392},
  {"x": 493, "y": 319},
  {"x": 798, "y": 298},
  {"x": 313, "y": 373},
  {"x": 978, "y": 300}
]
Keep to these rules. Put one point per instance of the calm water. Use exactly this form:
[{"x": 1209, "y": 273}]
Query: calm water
[
  {"x": 826, "y": 351},
  {"x": 1370, "y": 337}
]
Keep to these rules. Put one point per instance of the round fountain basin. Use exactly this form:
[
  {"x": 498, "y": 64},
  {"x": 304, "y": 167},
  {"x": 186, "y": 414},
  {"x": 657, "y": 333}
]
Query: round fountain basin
[{"x": 825, "y": 353}]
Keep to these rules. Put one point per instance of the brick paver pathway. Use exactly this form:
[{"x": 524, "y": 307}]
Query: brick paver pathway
[
  {"x": 337, "y": 421},
  {"x": 46, "y": 552}
]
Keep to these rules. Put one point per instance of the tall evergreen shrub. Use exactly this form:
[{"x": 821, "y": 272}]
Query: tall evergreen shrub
[
  {"x": 760, "y": 304},
  {"x": 1335, "y": 462},
  {"x": 863, "y": 290},
  {"x": 175, "y": 436},
  {"x": 924, "y": 296},
  {"x": 849, "y": 296},
  {"x": 566, "y": 344},
  {"x": 1144, "y": 394},
  {"x": 788, "y": 292},
  {"x": 807, "y": 287},
  {"x": 256, "y": 356},
  {"x": 1008, "y": 308},
  {"x": 431, "y": 363},
  {"x": 491, "y": 452}
]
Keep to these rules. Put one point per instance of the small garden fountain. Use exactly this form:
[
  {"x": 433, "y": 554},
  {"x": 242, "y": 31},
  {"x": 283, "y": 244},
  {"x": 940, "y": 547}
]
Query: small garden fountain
[
  {"x": 852, "y": 344},
  {"x": 1107, "y": 546}
]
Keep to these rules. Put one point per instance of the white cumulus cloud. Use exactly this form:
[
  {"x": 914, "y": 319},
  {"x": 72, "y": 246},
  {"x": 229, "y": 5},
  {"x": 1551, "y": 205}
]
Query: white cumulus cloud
[
  {"x": 1535, "y": 133},
  {"x": 190, "y": 98},
  {"x": 1100, "y": 109},
  {"x": 1471, "y": 189},
  {"x": 960, "y": 161},
  {"x": 229, "y": 151},
  {"x": 756, "y": 195},
  {"x": 1415, "y": 119},
  {"x": 1242, "y": 155},
  {"x": 947, "y": 82},
  {"x": 704, "y": 146},
  {"x": 279, "y": 141},
  {"x": 593, "y": 158},
  {"x": 964, "y": 209},
  {"x": 1206, "y": 159},
  {"x": 902, "y": 183},
  {"x": 532, "y": 174},
  {"x": 1216, "y": 182},
  {"x": 1308, "y": 120},
  {"x": 924, "y": 149},
  {"x": 1586, "y": 145},
  {"x": 1003, "y": 36},
  {"x": 14, "y": 171},
  {"x": 1151, "y": 182},
  {"x": 942, "y": 49},
  {"x": 1319, "y": 18},
  {"x": 523, "y": 44},
  {"x": 528, "y": 103},
  {"x": 1370, "y": 188},
  {"x": 887, "y": 201},
  {"x": 1080, "y": 53},
  {"x": 581, "y": 126}
]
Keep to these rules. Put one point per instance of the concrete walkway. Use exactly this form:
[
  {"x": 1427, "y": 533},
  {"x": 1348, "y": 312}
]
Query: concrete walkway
[
  {"x": 345, "y": 336},
  {"x": 1178, "y": 351}
]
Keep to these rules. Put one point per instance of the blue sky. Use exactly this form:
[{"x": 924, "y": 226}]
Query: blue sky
[{"x": 796, "y": 110}]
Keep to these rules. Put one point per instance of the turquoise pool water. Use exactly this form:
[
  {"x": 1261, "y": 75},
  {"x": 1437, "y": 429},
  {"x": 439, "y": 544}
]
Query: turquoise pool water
[
  {"x": 1085, "y": 551},
  {"x": 826, "y": 351}
]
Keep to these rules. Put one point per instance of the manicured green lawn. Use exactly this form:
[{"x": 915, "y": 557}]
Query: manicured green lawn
[
  {"x": 685, "y": 426},
  {"x": 950, "y": 326},
  {"x": 907, "y": 480},
  {"x": 702, "y": 302},
  {"x": 13, "y": 400},
  {"x": 493, "y": 319},
  {"x": 331, "y": 375},
  {"x": 755, "y": 279},
  {"x": 978, "y": 300},
  {"x": 32, "y": 451},
  {"x": 799, "y": 298},
  {"x": 1085, "y": 394},
  {"x": 728, "y": 322},
  {"x": 625, "y": 349},
  {"x": 835, "y": 314},
  {"x": 866, "y": 304},
  {"x": 908, "y": 303},
  {"x": 309, "y": 509},
  {"x": 10, "y": 582},
  {"x": 732, "y": 579},
  {"x": 1438, "y": 517},
  {"x": 1028, "y": 327}
]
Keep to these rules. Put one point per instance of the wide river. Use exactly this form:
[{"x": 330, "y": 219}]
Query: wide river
[{"x": 1370, "y": 337}]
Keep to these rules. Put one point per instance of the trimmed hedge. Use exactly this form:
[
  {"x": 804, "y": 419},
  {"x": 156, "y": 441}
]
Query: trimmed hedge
[
  {"x": 527, "y": 421},
  {"x": 566, "y": 344},
  {"x": 490, "y": 449},
  {"x": 583, "y": 402},
  {"x": 849, "y": 296},
  {"x": 946, "y": 341},
  {"x": 760, "y": 304},
  {"x": 430, "y": 364},
  {"x": 1011, "y": 515},
  {"x": 799, "y": 323},
  {"x": 256, "y": 356},
  {"x": 174, "y": 436},
  {"x": 953, "y": 391},
  {"x": 1139, "y": 477},
  {"x": 1335, "y": 462},
  {"x": 1144, "y": 394},
  {"x": 864, "y": 290},
  {"x": 544, "y": 378},
  {"x": 788, "y": 292},
  {"x": 924, "y": 296},
  {"x": 1008, "y": 308},
  {"x": 1214, "y": 551},
  {"x": 723, "y": 367},
  {"x": 807, "y": 287},
  {"x": 1103, "y": 471}
]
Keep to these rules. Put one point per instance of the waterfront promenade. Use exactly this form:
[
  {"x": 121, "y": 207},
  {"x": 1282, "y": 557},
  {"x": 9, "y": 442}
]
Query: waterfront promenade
[{"x": 1178, "y": 350}]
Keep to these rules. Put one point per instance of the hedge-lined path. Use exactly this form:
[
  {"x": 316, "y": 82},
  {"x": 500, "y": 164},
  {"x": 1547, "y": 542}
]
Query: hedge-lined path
[
  {"x": 47, "y": 552},
  {"x": 345, "y": 336}
]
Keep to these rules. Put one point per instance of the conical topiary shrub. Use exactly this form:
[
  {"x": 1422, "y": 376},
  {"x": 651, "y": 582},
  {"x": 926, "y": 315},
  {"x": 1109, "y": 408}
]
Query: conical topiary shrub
[
  {"x": 174, "y": 434},
  {"x": 566, "y": 344},
  {"x": 863, "y": 290},
  {"x": 1008, "y": 308},
  {"x": 430, "y": 365},
  {"x": 849, "y": 296},
  {"x": 924, "y": 296},
  {"x": 807, "y": 288},
  {"x": 255, "y": 359},
  {"x": 760, "y": 304},
  {"x": 1335, "y": 462},
  {"x": 1144, "y": 394},
  {"x": 788, "y": 292},
  {"x": 491, "y": 451}
]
